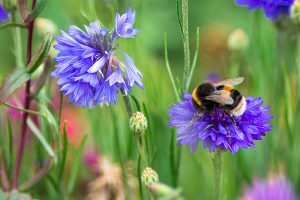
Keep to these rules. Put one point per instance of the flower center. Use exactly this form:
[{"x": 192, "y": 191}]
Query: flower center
[{"x": 101, "y": 41}]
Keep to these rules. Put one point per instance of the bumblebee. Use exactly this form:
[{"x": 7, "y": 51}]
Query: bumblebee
[{"x": 208, "y": 96}]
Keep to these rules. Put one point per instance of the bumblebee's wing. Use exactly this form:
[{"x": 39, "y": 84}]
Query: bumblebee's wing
[
  {"x": 220, "y": 96},
  {"x": 230, "y": 82}
]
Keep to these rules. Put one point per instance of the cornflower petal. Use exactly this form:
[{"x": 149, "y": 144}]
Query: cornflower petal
[
  {"x": 3, "y": 14},
  {"x": 273, "y": 8}
]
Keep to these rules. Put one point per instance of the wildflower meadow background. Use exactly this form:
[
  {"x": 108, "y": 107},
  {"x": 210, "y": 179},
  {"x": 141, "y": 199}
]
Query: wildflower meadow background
[{"x": 95, "y": 99}]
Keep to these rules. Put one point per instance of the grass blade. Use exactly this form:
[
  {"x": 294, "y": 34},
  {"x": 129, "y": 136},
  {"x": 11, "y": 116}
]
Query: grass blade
[
  {"x": 169, "y": 69},
  {"x": 64, "y": 153},
  {"x": 40, "y": 137},
  {"x": 76, "y": 165},
  {"x": 195, "y": 59}
]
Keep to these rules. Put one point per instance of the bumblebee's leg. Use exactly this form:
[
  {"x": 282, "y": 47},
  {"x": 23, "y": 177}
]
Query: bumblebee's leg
[{"x": 231, "y": 117}]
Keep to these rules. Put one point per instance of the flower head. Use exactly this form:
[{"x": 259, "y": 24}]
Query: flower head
[
  {"x": 88, "y": 68},
  {"x": 238, "y": 40},
  {"x": 124, "y": 24},
  {"x": 138, "y": 123},
  {"x": 272, "y": 8},
  {"x": 149, "y": 177},
  {"x": 216, "y": 129},
  {"x": 3, "y": 14},
  {"x": 295, "y": 11},
  {"x": 275, "y": 188},
  {"x": 109, "y": 184}
]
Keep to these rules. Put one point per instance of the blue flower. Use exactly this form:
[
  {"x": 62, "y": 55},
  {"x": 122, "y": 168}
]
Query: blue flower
[
  {"x": 272, "y": 8},
  {"x": 3, "y": 14},
  {"x": 216, "y": 129},
  {"x": 124, "y": 24},
  {"x": 90, "y": 69}
]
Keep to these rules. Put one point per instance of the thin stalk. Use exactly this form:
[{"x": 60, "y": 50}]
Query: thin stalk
[
  {"x": 169, "y": 70},
  {"x": 37, "y": 177},
  {"x": 139, "y": 142},
  {"x": 26, "y": 103},
  {"x": 23, "y": 110},
  {"x": 17, "y": 38},
  {"x": 218, "y": 168},
  {"x": 186, "y": 45},
  {"x": 195, "y": 59},
  {"x": 138, "y": 138},
  {"x": 120, "y": 155},
  {"x": 13, "y": 24},
  {"x": 128, "y": 105},
  {"x": 187, "y": 61},
  {"x": 3, "y": 174},
  {"x": 61, "y": 101}
]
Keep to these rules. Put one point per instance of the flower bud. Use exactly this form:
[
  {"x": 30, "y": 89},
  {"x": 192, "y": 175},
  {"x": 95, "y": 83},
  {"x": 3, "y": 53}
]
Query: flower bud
[
  {"x": 238, "y": 40},
  {"x": 295, "y": 11},
  {"x": 149, "y": 177},
  {"x": 162, "y": 190},
  {"x": 45, "y": 26},
  {"x": 138, "y": 123}
]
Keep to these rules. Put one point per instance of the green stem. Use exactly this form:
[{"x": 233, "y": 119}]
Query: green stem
[
  {"x": 141, "y": 148},
  {"x": 195, "y": 59},
  {"x": 138, "y": 138},
  {"x": 139, "y": 142},
  {"x": 23, "y": 110},
  {"x": 186, "y": 45},
  {"x": 17, "y": 38},
  {"x": 218, "y": 167},
  {"x": 128, "y": 104},
  {"x": 120, "y": 158},
  {"x": 61, "y": 101},
  {"x": 13, "y": 24}
]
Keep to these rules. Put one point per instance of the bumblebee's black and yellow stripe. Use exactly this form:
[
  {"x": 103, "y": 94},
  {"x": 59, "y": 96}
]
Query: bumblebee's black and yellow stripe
[
  {"x": 235, "y": 94},
  {"x": 199, "y": 93},
  {"x": 206, "y": 89}
]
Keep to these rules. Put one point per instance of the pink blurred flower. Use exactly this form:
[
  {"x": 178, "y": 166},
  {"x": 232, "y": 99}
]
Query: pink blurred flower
[
  {"x": 91, "y": 157},
  {"x": 274, "y": 188}
]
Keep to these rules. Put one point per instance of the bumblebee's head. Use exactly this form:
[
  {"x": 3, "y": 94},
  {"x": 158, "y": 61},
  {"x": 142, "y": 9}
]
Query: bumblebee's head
[{"x": 205, "y": 89}]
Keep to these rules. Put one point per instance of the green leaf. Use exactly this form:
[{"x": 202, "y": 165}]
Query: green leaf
[
  {"x": 76, "y": 164},
  {"x": 138, "y": 106},
  {"x": 39, "y": 6},
  {"x": 13, "y": 81},
  {"x": 41, "y": 54},
  {"x": 40, "y": 137},
  {"x": 178, "y": 17}
]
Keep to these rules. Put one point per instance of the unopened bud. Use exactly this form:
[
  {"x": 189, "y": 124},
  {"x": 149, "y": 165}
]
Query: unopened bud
[
  {"x": 138, "y": 123},
  {"x": 238, "y": 40},
  {"x": 45, "y": 26},
  {"x": 295, "y": 11},
  {"x": 162, "y": 190},
  {"x": 149, "y": 177}
]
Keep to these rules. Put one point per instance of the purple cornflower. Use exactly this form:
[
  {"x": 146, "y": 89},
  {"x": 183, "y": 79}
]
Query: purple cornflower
[
  {"x": 216, "y": 129},
  {"x": 3, "y": 14},
  {"x": 272, "y": 8},
  {"x": 275, "y": 188},
  {"x": 88, "y": 68}
]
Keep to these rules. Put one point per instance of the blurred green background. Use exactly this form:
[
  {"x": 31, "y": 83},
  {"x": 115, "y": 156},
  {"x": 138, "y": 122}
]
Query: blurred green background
[{"x": 216, "y": 20}]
